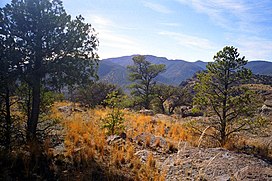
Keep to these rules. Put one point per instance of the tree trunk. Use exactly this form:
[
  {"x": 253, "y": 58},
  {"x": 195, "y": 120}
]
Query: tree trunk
[
  {"x": 224, "y": 118},
  {"x": 35, "y": 109},
  {"x": 162, "y": 107},
  {"x": 8, "y": 120}
]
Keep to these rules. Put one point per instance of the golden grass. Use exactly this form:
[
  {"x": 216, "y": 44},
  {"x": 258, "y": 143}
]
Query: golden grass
[{"x": 85, "y": 141}]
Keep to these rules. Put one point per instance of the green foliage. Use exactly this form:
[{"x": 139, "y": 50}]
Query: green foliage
[
  {"x": 143, "y": 73},
  {"x": 94, "y": 93},
  {"x": 46, "y": 48},
  {"x": 219, "y": 93},
  {"x": 163, "y": 93},
  {"x": 182, "y": 97},
  {"x": 114, "y": 120},
  {"x": 48, "y": 99}
]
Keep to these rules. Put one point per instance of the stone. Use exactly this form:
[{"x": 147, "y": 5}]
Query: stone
[
  {"x": 115, "y": 140},
  {"x": 65, "y": 109},
  {"x": 146, "y": 112},
  {"x": 266, "y": 111},
  {"x": 142, "y": 154},
  {"x": 268, "y": 103}
]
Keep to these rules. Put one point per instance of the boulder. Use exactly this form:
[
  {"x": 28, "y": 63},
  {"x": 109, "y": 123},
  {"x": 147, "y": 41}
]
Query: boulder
[
  {"x": 65, "y": 109},
  {"x": 266, "y": 111},
  {"x": 143, "y": 155},
  {"x": 154, "y": 141},
  {"x": 147, "y": 112},
  {"x": 268, "y": 103},
  {"x": 115, "y": 140}
]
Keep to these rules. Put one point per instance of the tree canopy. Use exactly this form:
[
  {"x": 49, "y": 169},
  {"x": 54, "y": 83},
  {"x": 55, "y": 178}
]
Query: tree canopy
[
  {"x": 219, "y": 92},
  {"x": 46, "y": 44},
  {"x": 143, "y": 74}
]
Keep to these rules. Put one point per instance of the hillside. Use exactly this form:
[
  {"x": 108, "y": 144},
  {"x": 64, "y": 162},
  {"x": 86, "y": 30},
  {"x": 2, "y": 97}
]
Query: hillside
[
  {"x": 114, "y": 70},
  {"x": 260, "y": 67},
  {"x": 160, "y": 147}
]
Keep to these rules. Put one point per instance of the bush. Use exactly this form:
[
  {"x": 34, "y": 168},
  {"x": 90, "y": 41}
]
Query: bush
[
  {"x": 114, "y": 120},
  {"x": 95, "y": 93}
]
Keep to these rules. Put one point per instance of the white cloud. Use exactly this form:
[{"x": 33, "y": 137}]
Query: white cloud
[
  {"x": 112, "y": 41},
  {"x": 157, "y": 7},
  {"x": 234, "y": 15},
  {"x": 189, "y": 41},
  {"x": 254, "y": 47},
  {"x": 101, "y": 21}
]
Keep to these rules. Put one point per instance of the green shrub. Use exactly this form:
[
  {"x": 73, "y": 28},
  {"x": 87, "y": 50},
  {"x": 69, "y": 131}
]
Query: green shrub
[{"x": 114, "y": 120}]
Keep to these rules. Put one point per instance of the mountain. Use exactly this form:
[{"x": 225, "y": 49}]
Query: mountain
[
  {"x": 260, "y": 67},
  {"x": 114, "y": 73},
  {"x": 114, "y": 70}
]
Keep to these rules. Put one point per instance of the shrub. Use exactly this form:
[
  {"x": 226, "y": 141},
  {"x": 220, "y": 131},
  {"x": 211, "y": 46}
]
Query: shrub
[{"x": 114, "y": 120}]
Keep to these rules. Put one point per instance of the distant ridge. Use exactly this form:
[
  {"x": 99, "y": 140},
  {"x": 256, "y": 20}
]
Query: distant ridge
[{"x": 114, "y": 70}]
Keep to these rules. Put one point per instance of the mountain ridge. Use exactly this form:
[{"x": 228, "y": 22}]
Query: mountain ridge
[{"x": 114, "y": 70}]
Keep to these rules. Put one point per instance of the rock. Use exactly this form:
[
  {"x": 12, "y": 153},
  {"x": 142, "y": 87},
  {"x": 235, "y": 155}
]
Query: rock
[
  {"x": 254, "y": 173},
  {"x": 162, "y": 117},
  {"x": 115, "y": 140},
  {"x": 59, "y": 149},
  {"x": 69, "y": 109},
  {"x": 154, "y": 141},
  {"x": 143, "y": 155},
  {"x": 77, "y": 109},
  {"x": 223, "y": 178},
  {"x": 266, "y": 111},
  {"x": 65, "y": 109},
  {"x": 268, "y": 103},
  {"x": 215, "y": 164},
  {"x": 146, "y": 112}
]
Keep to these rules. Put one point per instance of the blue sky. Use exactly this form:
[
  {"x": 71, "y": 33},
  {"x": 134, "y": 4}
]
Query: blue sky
[{"x": 178, "y": 29}]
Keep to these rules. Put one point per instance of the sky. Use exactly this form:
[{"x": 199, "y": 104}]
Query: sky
[{"x": 190, "y": 30}]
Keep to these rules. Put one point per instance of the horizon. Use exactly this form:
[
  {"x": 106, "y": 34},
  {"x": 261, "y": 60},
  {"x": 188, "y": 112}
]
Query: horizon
[
  {"x": 177, "y": 29},
  {"x": 169, "y": 59}
]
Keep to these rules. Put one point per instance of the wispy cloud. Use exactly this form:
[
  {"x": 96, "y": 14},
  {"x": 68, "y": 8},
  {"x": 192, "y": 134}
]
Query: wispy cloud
[
  {"x": 189, "y": 41},
  {"x": 239, "y": 15},
  {"x": 157, "y": 7},
  {"x": 111, "y": 39},
  {"x": 254, "y": 47},
  {"x": 248, "y": 23}
]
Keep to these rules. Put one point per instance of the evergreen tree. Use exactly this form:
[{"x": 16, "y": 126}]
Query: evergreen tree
[
  {"x": 143, "y": 73},
  {"x": 220, "y": 92},
  {"x": 49, "y": 40}
]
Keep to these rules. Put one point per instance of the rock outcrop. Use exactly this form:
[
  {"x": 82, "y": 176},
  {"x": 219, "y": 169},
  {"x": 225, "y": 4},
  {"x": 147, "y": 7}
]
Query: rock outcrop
[{"x": 266, "y": 109}]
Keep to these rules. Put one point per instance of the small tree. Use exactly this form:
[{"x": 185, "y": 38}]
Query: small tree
[
  {"x": 163, "y": 93},
  {"x": 114, "y": 120},
  {"x": 182, "y": 97},
  {"x": 220, "y": 92},
  {"x": 95, "y": 93},
  {"x": 143, "y": 73}
]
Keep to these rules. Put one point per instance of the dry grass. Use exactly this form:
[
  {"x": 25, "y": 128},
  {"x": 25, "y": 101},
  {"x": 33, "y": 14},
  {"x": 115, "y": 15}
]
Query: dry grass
[
  {"x": 87, "y": 153},
  {"x": 86, "y": 141}
]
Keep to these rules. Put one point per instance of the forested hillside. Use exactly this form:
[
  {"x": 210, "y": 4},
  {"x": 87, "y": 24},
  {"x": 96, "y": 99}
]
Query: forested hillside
[{"x": 114, "y": 69}]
